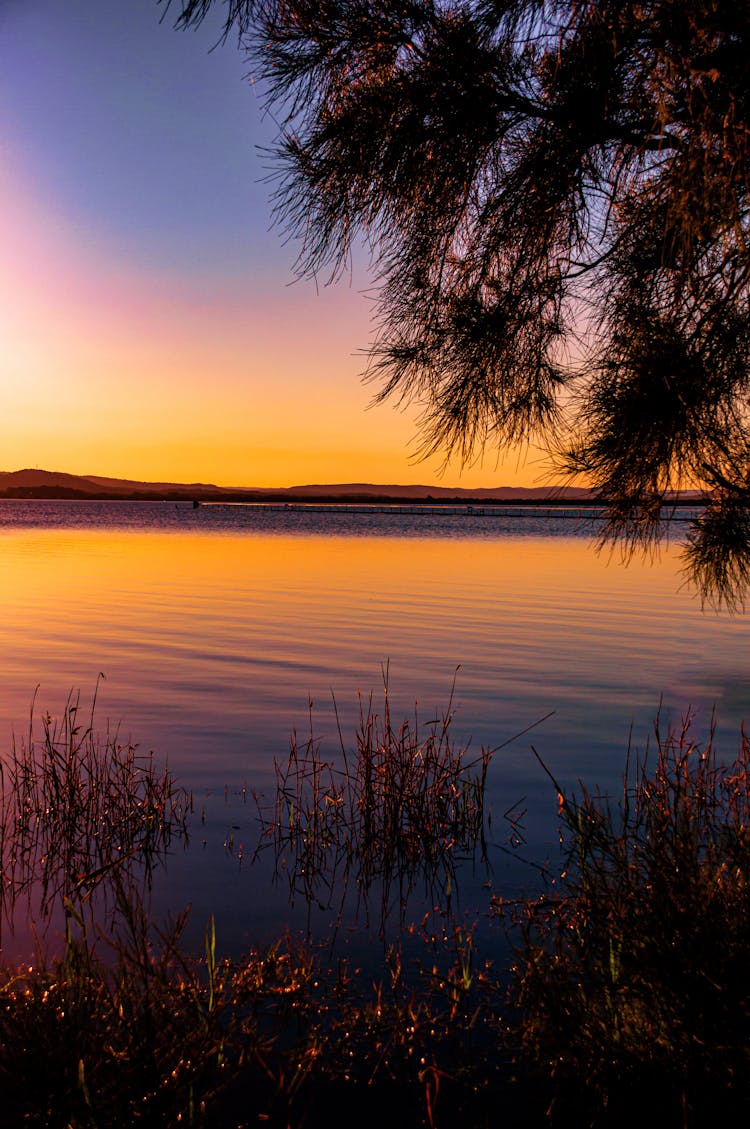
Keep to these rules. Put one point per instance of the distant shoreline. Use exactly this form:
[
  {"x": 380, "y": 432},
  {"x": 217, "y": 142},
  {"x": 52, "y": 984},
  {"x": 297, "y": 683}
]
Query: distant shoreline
[
  {"x": 37, "y": 484},
  {"x": 50, "y": 493}
]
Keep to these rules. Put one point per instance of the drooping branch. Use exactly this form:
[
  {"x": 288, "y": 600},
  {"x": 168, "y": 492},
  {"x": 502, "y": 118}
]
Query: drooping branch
[{"x": 556, "y": 201}]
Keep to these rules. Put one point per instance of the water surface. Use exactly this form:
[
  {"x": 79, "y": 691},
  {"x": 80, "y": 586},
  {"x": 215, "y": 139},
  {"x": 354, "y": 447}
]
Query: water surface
[{"x": 216, "y": 628}]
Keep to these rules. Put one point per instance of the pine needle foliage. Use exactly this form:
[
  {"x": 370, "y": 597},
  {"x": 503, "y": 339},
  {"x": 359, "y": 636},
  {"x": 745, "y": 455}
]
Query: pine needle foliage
[{"x": 555, "y": 199}]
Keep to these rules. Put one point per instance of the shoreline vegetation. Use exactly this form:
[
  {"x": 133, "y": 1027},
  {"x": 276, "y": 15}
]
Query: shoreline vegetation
[
  {"x": 627, "y": 994},
  {"x": 271, "y": 498}
]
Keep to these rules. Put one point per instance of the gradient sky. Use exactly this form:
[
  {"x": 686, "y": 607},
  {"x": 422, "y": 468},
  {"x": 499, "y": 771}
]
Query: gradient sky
[{"x": 150, "y": 325}]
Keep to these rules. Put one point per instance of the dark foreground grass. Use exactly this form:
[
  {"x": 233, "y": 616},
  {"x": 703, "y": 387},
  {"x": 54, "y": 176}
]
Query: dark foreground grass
[
  {"x": 629, "y": 999},
  {"x": 633, "y": 980},
  {"x": 145, "y": 1035}
]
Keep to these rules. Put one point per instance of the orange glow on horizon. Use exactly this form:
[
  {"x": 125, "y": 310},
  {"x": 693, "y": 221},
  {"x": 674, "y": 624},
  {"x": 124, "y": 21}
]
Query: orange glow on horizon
[{"x": 117, "y": 370}]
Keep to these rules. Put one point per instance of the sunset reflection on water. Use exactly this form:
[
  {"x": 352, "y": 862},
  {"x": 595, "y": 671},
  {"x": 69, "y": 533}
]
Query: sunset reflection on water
[{"x": 213, "y": 644}]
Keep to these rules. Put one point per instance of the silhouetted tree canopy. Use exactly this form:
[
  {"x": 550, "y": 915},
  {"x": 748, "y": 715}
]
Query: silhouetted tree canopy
[{"x": 555, "y": 197}]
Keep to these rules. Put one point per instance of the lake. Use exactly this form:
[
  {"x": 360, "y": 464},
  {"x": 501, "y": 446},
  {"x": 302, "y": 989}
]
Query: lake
[{"x": 216, "y": 628}]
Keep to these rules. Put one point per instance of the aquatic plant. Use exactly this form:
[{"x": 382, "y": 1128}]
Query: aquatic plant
[
  {"x": 129, "y": 1036},
  {"x": 632, "y": 977},
  {"x": 76, "y": 809},
  {"x": 630, "y": 981},
  {"x": 401, "y": 808},
  {"x": 150, "y": 1035}
]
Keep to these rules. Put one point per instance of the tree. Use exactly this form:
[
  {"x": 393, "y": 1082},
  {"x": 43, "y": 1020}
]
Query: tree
[{"x": 555, "y": 199}]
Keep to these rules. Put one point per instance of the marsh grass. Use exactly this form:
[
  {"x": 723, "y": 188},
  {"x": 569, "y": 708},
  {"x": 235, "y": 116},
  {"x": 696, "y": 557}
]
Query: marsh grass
[
  {"x": 79, "y": 809},
  {"x": 399, "y": 810},
  {"x": 629, "y": 997},
  {"x": 119, "y": 1033},
  {"x": 147, "y": 1035},
  {"x": 125, "y": 1027},
  {"x": 633, "y": 979}
]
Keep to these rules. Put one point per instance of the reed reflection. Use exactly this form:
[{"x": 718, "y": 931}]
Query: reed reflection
[
  {"x": 85, "y": 820},
  {"x": 391, "y": 818}
]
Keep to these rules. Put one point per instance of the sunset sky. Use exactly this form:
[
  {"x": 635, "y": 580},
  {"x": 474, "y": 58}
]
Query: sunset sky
[{"x": 150, "y": 324}]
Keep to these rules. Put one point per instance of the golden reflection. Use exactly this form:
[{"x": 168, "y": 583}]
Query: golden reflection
[
  {"x": 212, "y": 643},
  {"x": 63, "y": 581}
]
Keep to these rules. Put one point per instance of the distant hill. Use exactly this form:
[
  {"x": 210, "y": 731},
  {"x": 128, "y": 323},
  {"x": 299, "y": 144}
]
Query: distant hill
[
  {"x": 57, "y": 484},
  {"x": 439, "y": 493}
]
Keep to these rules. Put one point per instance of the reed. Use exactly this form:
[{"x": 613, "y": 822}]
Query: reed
[
  {"x": 629, "y": 996},
  {"x": 400, "y": 808},
  {"x": 125, "y": 1027},
  {"x": 149, "y": 1035},
  {"x": 78, "y": 808},
  {"x": 132, "y": 1037},
  {"x": 632, "y": 979}
]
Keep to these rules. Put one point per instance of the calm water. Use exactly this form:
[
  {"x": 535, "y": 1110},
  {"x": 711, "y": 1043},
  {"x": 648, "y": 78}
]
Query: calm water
[{"x": 215, "y": 628}]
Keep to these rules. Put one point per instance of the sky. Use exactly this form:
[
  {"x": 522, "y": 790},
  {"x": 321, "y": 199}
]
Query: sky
[{"x": 150, "y": 323}]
